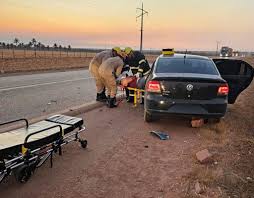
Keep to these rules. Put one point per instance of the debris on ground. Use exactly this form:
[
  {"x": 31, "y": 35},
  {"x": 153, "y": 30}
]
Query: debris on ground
[
  {"x": 249, "y": 179},
  {"x": 199, "y": 189},
  {"x": 204, "y": 156},
  {"x": 197, "y": 123},
  {"x": 161, "y": 135}
]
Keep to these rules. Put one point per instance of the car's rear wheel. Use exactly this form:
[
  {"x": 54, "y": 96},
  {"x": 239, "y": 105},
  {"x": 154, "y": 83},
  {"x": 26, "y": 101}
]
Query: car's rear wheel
[{"x": 148, "y": 117}]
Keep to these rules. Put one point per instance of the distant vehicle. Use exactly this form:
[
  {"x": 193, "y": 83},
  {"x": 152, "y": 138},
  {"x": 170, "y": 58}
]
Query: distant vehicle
[
  {"x": 192, "y": 86},
  {"x": 226, "y": 52}
]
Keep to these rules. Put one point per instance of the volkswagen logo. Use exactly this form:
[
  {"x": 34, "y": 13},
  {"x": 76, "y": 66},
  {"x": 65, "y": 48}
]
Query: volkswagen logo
[{"x": 189, "y": 87}]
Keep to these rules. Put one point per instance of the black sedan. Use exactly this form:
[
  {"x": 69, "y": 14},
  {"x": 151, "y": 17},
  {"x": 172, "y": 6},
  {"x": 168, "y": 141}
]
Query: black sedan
[{"x": 194, "y": 86}]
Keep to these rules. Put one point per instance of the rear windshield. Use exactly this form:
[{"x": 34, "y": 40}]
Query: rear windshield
[
  {"x": 224, "y": 50},
  {"x": 197, "y": 66}
]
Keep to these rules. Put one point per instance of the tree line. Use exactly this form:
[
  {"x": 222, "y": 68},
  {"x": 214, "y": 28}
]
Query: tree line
[{"x": 33, "y": 44}]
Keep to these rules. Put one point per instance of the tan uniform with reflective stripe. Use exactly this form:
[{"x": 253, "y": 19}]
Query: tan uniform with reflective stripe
[
  {"x": 94, "y": 66},
  {"x": 108, "y": 70}
]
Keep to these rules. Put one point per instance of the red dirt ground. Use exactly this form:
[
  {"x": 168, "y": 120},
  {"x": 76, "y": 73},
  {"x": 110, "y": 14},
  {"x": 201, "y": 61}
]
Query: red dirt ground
[{"x": 123, "y": 160}]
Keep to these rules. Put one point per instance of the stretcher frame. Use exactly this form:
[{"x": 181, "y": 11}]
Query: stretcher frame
[
  {"x": 136, "y": 95},
  {"x": 24, "y": 165}
]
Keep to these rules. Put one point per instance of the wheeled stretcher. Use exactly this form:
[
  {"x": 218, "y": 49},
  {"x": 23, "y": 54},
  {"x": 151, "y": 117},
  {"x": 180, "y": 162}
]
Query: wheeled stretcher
[{"x": 25, "y": 149}]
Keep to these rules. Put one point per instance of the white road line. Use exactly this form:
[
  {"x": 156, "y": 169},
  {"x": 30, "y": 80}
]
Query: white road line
[{"x": 42, "y": 84}]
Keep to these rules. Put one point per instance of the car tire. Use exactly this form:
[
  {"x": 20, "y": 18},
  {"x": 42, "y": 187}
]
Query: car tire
[{"x": 148, "y": 117}]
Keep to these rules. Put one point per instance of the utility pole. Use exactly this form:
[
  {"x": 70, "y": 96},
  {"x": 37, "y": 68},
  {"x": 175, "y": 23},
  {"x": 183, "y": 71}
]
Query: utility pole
[
  {"x": 143, "y": 12},
  {"x": 217, "y": 47}
]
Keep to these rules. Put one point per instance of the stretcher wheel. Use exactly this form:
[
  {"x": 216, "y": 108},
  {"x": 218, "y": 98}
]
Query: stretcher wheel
[
  {"x": 23, "y": 173},
  {"x": 83, "y": 143}
]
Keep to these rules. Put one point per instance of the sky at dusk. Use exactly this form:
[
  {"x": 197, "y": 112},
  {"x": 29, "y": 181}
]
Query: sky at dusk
[{"x": 182, "y": 24}]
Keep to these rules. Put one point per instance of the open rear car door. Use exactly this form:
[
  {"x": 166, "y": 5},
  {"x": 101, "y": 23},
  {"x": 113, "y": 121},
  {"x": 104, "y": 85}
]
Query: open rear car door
[{"x": 238, "y": 75}]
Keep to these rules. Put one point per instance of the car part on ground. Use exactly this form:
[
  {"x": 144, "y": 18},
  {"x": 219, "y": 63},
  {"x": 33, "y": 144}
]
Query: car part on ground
[{"x": 161, "y": 135}]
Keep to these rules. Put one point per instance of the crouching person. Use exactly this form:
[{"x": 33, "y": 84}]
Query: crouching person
[
  {"x": 94, "y": 70},
  {"x": 109, "y": 71}
]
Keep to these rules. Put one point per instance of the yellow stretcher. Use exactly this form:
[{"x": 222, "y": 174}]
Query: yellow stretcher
[{"x": 137, "y": 95}]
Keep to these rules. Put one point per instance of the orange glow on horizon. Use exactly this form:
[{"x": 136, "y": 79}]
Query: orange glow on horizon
[{"x": 193, "y": 24}]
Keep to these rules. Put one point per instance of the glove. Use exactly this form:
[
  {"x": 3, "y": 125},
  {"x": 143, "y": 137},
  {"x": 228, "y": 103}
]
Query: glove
[
  {"x": 138, "y": 75},
  {"x": 120, "y": 77}
]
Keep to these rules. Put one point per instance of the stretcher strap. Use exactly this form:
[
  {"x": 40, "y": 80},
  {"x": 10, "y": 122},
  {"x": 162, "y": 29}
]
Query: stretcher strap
[{"x": 23, "y": 149}]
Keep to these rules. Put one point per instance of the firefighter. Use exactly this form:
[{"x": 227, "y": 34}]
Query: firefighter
[
  {"x": 94, "y": 66},
  {"x": 138, "y": 65},
  {"x": 137, "y": 62},
  {"x": 109, "y": 71}
]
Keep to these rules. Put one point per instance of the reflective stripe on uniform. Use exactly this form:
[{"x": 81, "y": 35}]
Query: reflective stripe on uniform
[
  {"x": 147, "y": 72},
  {"x": 140, "y": 70},
  {"x": 134, "y": 68},
  {"x": 142, "y": 61}
]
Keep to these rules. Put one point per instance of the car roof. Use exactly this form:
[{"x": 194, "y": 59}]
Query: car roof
[{"x": 181, "y": 56}]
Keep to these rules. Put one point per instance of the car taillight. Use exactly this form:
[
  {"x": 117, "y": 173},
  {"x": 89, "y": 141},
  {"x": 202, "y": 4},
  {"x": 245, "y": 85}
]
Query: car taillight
[
  {"x": 223, "y": 90},
  {"x": 153, "y": 86}
]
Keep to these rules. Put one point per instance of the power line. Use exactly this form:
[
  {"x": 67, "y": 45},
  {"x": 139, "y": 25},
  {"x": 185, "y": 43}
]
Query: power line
[{"x": 143, "y": 12}]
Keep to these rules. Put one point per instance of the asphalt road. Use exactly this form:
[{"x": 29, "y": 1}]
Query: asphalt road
[{"x": 33, "y": 95}]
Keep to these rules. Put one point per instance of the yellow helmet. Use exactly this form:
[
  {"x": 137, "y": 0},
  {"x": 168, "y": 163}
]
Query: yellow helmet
[
  {"x": 117, "y": 49},
  {"x": 128, "y": 50}
]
